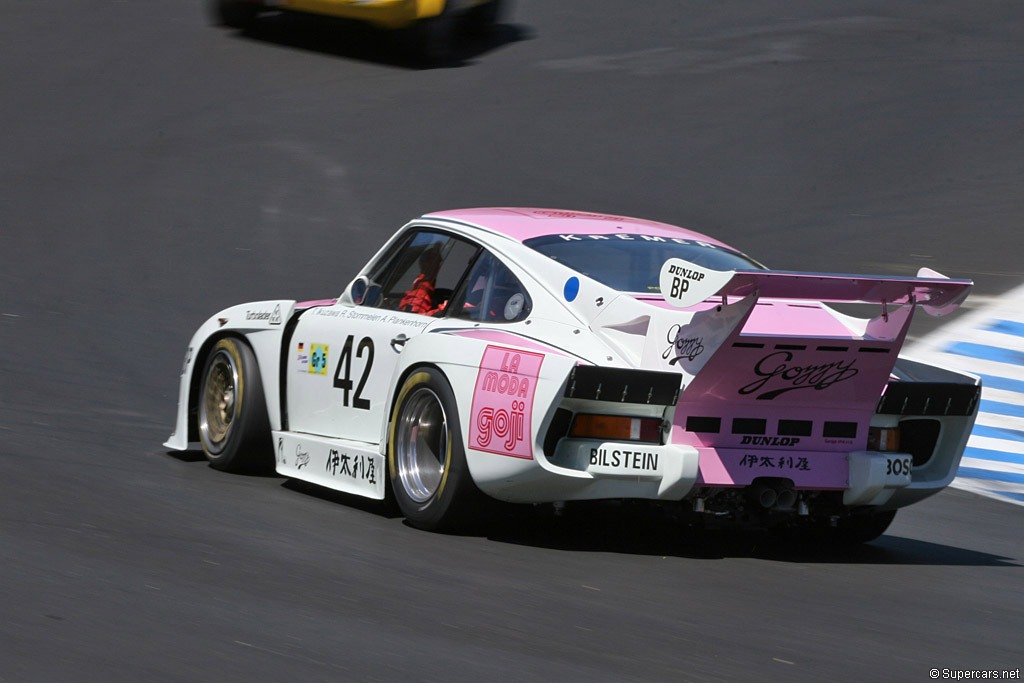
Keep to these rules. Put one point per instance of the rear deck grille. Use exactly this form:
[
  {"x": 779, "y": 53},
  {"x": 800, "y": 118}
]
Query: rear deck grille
[
  {"x": 928, "y": 398},
  {"x": 620, "y": 385}
]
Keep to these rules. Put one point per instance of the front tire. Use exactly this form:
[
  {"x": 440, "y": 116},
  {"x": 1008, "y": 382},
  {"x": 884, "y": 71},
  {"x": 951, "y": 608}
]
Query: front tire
[
  {"x": 426, "y": 460},
  {"x": 232, "y": 413}
]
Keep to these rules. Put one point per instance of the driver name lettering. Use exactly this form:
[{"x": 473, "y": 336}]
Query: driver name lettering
[
  {"x": 776, "y": 368},
  {"x": 503, "y": 402},
  {"x": 356, "y": 314},
  {"x": 406, "y": 321},
  {"x": 370, "y": 316}
]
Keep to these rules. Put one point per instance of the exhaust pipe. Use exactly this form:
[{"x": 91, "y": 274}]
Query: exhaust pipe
[
  {"x": 764, "y": 495},
  {"x": 773, "y": 493},
  {"x": 785, "y": 499}
]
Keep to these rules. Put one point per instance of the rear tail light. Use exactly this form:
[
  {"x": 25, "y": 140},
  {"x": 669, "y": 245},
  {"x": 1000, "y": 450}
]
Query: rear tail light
[
  {"x": 884, "y": 439},
  {"x": 617, "y": 428}
]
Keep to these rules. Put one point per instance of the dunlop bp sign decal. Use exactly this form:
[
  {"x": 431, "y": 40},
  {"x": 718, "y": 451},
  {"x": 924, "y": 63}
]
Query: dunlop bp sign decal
[{"x": 684, "y": 284}]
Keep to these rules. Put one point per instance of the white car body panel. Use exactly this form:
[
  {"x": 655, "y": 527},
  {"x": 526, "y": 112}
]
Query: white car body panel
[
  {"x": 359, "y": 350},
  {"x": 348, "y": 466}
]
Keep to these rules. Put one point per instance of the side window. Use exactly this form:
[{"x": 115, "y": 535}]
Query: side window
[
  {"x": 491, "y": 293},
  {"x": 420, "y": 275}
]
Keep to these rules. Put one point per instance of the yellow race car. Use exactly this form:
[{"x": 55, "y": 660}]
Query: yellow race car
[{"x": 431, "y": 23}]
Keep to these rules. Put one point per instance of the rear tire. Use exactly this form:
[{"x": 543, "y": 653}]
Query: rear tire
[
  {"x": 862, "y": 527},
  {"x": 854, "y": 529},
  {"x": 232, "y": 412},
  {"x": 426, "y": 460},
  {"x": 234, "y": 13}
]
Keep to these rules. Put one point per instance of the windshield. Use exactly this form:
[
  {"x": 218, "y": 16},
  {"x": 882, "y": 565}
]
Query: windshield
[{"x": 632, "y": 263}]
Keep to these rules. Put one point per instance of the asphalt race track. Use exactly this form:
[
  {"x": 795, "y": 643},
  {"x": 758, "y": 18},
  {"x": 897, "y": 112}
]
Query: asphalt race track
[{"x": 155, "y": 169}]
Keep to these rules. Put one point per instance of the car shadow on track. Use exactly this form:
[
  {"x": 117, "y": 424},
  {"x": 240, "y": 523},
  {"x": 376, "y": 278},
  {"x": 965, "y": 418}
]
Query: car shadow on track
[
  {"x": 382, "y": 508},
  {"x": 358, "y": 41},
  {"x": 645, "y": 531},
  {"x": 639, "y": 529},
  {"x": 188, "y": 456}
]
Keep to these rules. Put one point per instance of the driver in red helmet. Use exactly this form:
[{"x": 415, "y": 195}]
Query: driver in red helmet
[{"x": 419, "y": 298}]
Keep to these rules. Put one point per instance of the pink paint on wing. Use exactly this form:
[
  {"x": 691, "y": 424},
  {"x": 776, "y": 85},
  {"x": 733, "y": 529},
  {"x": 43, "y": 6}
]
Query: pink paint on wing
[
  {"x": 781, "y": 319},
  {"x": 500, "y": 419},
  {"x": 933, "y": 292}
]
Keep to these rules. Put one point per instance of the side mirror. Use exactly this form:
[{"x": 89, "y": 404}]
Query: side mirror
[{"x": 358, "y": 288}]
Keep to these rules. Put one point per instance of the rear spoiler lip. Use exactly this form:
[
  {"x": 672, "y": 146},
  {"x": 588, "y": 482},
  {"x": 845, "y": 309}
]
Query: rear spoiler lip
[{"x": 936, "y": 293}]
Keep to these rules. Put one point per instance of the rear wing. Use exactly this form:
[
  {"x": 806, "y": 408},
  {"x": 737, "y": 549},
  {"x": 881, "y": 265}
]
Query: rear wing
[
  {"x": 685, "y": 284},
  {"x": 937, "y": 295},
  {"x": 778, "y": 367}
]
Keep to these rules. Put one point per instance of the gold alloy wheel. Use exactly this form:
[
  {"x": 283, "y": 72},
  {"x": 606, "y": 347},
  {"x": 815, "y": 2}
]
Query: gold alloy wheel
[{"x": 219, "y": 405}]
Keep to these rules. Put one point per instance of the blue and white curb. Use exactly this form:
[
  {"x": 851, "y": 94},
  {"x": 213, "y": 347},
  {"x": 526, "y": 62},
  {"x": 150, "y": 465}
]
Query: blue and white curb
[{"x": 988, "y": 342}]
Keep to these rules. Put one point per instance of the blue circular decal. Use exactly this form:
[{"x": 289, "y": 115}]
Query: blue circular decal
[{"x": 572, "y": 288}]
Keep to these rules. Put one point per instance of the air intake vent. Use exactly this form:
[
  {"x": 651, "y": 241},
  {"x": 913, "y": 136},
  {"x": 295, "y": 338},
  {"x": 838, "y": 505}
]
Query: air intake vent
[
  {"x": 706, "y": 425},
  {"x": 748, "y": 425},
  {"x": 795, "y": 427},
  {"x": 840, "y": 430}
]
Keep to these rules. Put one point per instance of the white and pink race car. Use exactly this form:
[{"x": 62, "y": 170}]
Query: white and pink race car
[{"x": 537, "y": 356}]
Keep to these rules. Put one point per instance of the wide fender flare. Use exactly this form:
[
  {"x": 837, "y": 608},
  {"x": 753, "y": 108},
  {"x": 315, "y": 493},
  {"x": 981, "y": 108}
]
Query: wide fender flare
[
  {"x": 460, "y": 359},
  {"x": 262, "y": 324},
  {"x": 955, "y": 430}
]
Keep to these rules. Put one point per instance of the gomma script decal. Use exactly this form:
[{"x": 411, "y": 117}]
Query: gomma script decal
[
  {"x": 775, "y": 366},
  {"x": 680, "y": 348}
]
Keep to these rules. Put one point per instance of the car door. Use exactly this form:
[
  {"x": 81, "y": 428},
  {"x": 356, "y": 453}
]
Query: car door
[{"x": 343, "y": 356}]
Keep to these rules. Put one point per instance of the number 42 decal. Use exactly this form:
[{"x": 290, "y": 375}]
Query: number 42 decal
[{"x": 345, "y": 363}]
